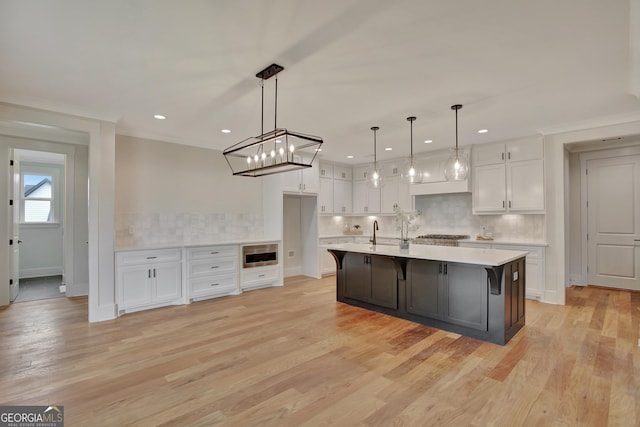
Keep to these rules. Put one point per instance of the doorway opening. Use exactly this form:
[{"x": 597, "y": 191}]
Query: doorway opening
[
  {"x": 300, "y": 236},
  {"x": 38, "y": 197}
]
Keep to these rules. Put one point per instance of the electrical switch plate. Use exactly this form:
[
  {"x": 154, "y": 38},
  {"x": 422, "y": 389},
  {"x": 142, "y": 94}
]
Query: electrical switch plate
[
  {"x": 291, "y": 253},
  {"x": 515, "y": 276}
]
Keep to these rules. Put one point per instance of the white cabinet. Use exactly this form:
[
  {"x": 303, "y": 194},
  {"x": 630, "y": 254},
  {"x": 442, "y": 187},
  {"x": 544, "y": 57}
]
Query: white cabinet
[
  {"x": 366, "y": 200},
  {"x": 360, "y": 173},
  {"x": 259, "y": 277},
  {"x": 393, "y": 192},
  {"x": 326, "y": 170},
  {"x": 327, "y": 262},
  {"x": 212, "y": 271},
  {"x": 342, "y": 197},
  {"x": 509, "y": 177},
  {"x": 342, "y": 173},
  {"x": 535, "y": 264},
  {"x": 306, "y": 180},
  {"x": 147, "y": 279},
  {"x": 325, "y": 196}
]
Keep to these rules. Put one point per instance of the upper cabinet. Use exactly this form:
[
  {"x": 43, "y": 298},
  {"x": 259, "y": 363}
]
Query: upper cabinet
[
  {"x": 305, "y": 181},
  {"x": 335, "y": 196},
  {"x": 509, "y": 177},
  {"x": 366, "y": 200}
]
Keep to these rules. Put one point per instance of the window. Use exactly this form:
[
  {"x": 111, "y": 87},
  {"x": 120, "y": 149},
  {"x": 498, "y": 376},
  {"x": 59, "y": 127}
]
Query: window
[{"x": 39, "y": 195}]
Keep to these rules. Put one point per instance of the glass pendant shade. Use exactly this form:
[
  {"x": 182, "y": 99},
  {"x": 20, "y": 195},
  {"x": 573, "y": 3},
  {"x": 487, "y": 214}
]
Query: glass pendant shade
[
  {"x": 457, "y": 166},
  {"x": 374, "y": 175},
  {"x": 411, "y": 174}
]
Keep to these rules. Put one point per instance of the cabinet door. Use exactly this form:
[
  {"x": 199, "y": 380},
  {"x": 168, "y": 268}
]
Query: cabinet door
[
  {"x": 134, "y": 286},
  {"x": 373, "y": 202},
  {"x": 533, "y": 269},
  {"x": 514, "y": 288},
  {"x": 325, "y": 196},
  {"x": 466, "y": 295},
  {"x": 384, "y": 282},
  {"x": 360, "y": 197},
  {"x": 424, "y": 293},
  {"x": 326, "y": 170},
  {"x": 524, "y": 150},
  {"x": 342, "y": 200},
  {"x": 292, "y": 181},
  {"x": 360, "y": 173},
  {"x": 389, "y": 194},
  {"x": 525, "y": 186},
  {"x": 167, "y": 281},
  {"x": 310, "y": 181},
  {"x": 357, "y": 276},
  {"x": 489, "y": 193},
  {"x": 488, "y": 154},
  {"x": 342, "y": 173}
]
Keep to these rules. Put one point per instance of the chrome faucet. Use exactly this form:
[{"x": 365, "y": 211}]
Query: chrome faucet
[{"x": 375, "y": 227}]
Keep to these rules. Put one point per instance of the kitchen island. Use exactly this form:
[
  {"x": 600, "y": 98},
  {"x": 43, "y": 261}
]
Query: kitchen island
[{"x": 478, "y": 293}]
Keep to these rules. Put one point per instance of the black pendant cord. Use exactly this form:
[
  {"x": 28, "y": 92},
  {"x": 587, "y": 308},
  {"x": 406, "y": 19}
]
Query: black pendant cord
[
  {"x": 375, "y": 149},
  {"x": 275, "y": 114},
  {"x": 456, "y": 131},
  {"x": 411, "y": 120}
]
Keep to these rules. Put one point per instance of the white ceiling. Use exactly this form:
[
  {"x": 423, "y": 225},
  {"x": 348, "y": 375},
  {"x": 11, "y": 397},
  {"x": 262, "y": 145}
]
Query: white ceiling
[{"x": 519, "y": 67}]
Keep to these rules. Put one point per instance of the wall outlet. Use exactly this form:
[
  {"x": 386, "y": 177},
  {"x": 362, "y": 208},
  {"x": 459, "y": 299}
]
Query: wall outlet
[
  {"x": 291, "y": 253},
  {"x": 63, "y": 289},
  {"x": 131, "y": 230}
]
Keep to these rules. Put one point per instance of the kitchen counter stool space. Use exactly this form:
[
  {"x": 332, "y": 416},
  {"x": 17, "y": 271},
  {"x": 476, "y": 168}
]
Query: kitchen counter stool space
[{"x": 472, "y": 292}]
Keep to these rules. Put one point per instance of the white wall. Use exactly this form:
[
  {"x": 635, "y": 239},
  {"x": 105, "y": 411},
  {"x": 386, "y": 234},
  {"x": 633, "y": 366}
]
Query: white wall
[{"x": 170, "y": 193}]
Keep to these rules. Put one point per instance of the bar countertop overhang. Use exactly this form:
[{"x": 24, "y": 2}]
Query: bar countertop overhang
[{"x": 477, "y": 256}]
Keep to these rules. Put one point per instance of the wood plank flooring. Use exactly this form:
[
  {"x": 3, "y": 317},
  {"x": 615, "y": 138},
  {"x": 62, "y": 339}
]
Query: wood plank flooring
[{"x": 293, "y": 356}]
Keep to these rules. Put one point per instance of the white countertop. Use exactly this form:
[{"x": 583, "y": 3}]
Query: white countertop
[
  {"x": 478, "y": 256},
  {"x": 506, "y": 242},
  {"x": 191, "y": 244}
]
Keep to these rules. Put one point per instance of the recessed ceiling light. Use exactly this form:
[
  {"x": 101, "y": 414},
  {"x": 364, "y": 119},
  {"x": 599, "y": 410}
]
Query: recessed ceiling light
[
  {"x": 483, "y": 131},
  {"x": 428, "y": 141},
  {"x": 388, "y": 149},
  {"x": 226, "y": 131},
  {"x": 159, "y": 116},
  {"x": 349, "y": 157}
]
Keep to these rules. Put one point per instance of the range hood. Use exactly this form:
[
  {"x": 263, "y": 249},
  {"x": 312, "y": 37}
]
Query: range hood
[{"x": 433, "y": 179}]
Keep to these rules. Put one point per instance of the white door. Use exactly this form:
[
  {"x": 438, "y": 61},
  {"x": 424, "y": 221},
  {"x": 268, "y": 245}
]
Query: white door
[
  {"x": 14, "y": 227},
  {"x": 613, "y": 215}
]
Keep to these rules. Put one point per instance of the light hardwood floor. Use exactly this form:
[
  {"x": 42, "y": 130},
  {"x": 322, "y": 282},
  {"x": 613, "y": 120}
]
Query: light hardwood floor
[{"x": 293, "y": 356}]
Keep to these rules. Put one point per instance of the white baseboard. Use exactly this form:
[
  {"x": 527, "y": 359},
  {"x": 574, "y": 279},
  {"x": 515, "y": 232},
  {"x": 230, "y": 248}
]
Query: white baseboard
[
  {"x": 293, "y": 271},
  {"x": 77, "y": 290}
]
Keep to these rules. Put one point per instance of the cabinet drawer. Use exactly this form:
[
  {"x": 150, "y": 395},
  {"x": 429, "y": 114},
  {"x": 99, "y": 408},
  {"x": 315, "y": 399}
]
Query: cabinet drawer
[
  {"x": 212, "y": 251},
  {"x": 207, "y": 266},
  {"x": 213, "y": 283},
  {"x": 144, "y": 257},
  {"x": 259, "y": 275},
  {"x": 535, "y": 252}
]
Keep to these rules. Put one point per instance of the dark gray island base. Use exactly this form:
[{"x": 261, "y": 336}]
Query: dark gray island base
[{"x": 486, "y": 302}]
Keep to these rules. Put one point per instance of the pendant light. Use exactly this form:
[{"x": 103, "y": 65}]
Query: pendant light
[
  {"x": 273, "y": 151},
  {"x": 457, "y": 166},
  {"x": 374, "y": 177},
  {"x": 410, "y": 173}
]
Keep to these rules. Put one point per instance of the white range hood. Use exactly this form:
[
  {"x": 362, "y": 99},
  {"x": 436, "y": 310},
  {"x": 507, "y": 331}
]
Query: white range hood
[{"x": 433, "y": 180}]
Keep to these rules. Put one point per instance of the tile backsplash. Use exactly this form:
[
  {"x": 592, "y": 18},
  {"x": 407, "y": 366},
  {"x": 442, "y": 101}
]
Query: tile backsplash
[
  {"x": 446, "y": 214},
  {"x": 136, "y": 229}
]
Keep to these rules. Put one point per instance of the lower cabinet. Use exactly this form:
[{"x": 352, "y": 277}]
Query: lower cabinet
[
  {"x": 212, "y": 271},
  {"x": 372, "y": 279},
  {"x": 535, "y": 267},
  {"x": 455, "y": 293},
  {"x": 147, "y": 279},
  {"x": 259, "y": 277}
]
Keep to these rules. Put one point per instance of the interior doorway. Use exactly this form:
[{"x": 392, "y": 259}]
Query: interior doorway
[
  {"x": 38, "y": 220},
  {"x": 300, "y": 236}
]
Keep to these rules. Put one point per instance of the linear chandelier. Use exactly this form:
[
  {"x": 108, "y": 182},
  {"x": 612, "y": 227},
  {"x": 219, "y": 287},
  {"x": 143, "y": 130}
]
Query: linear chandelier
[{"x": 276, "y": 151}]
